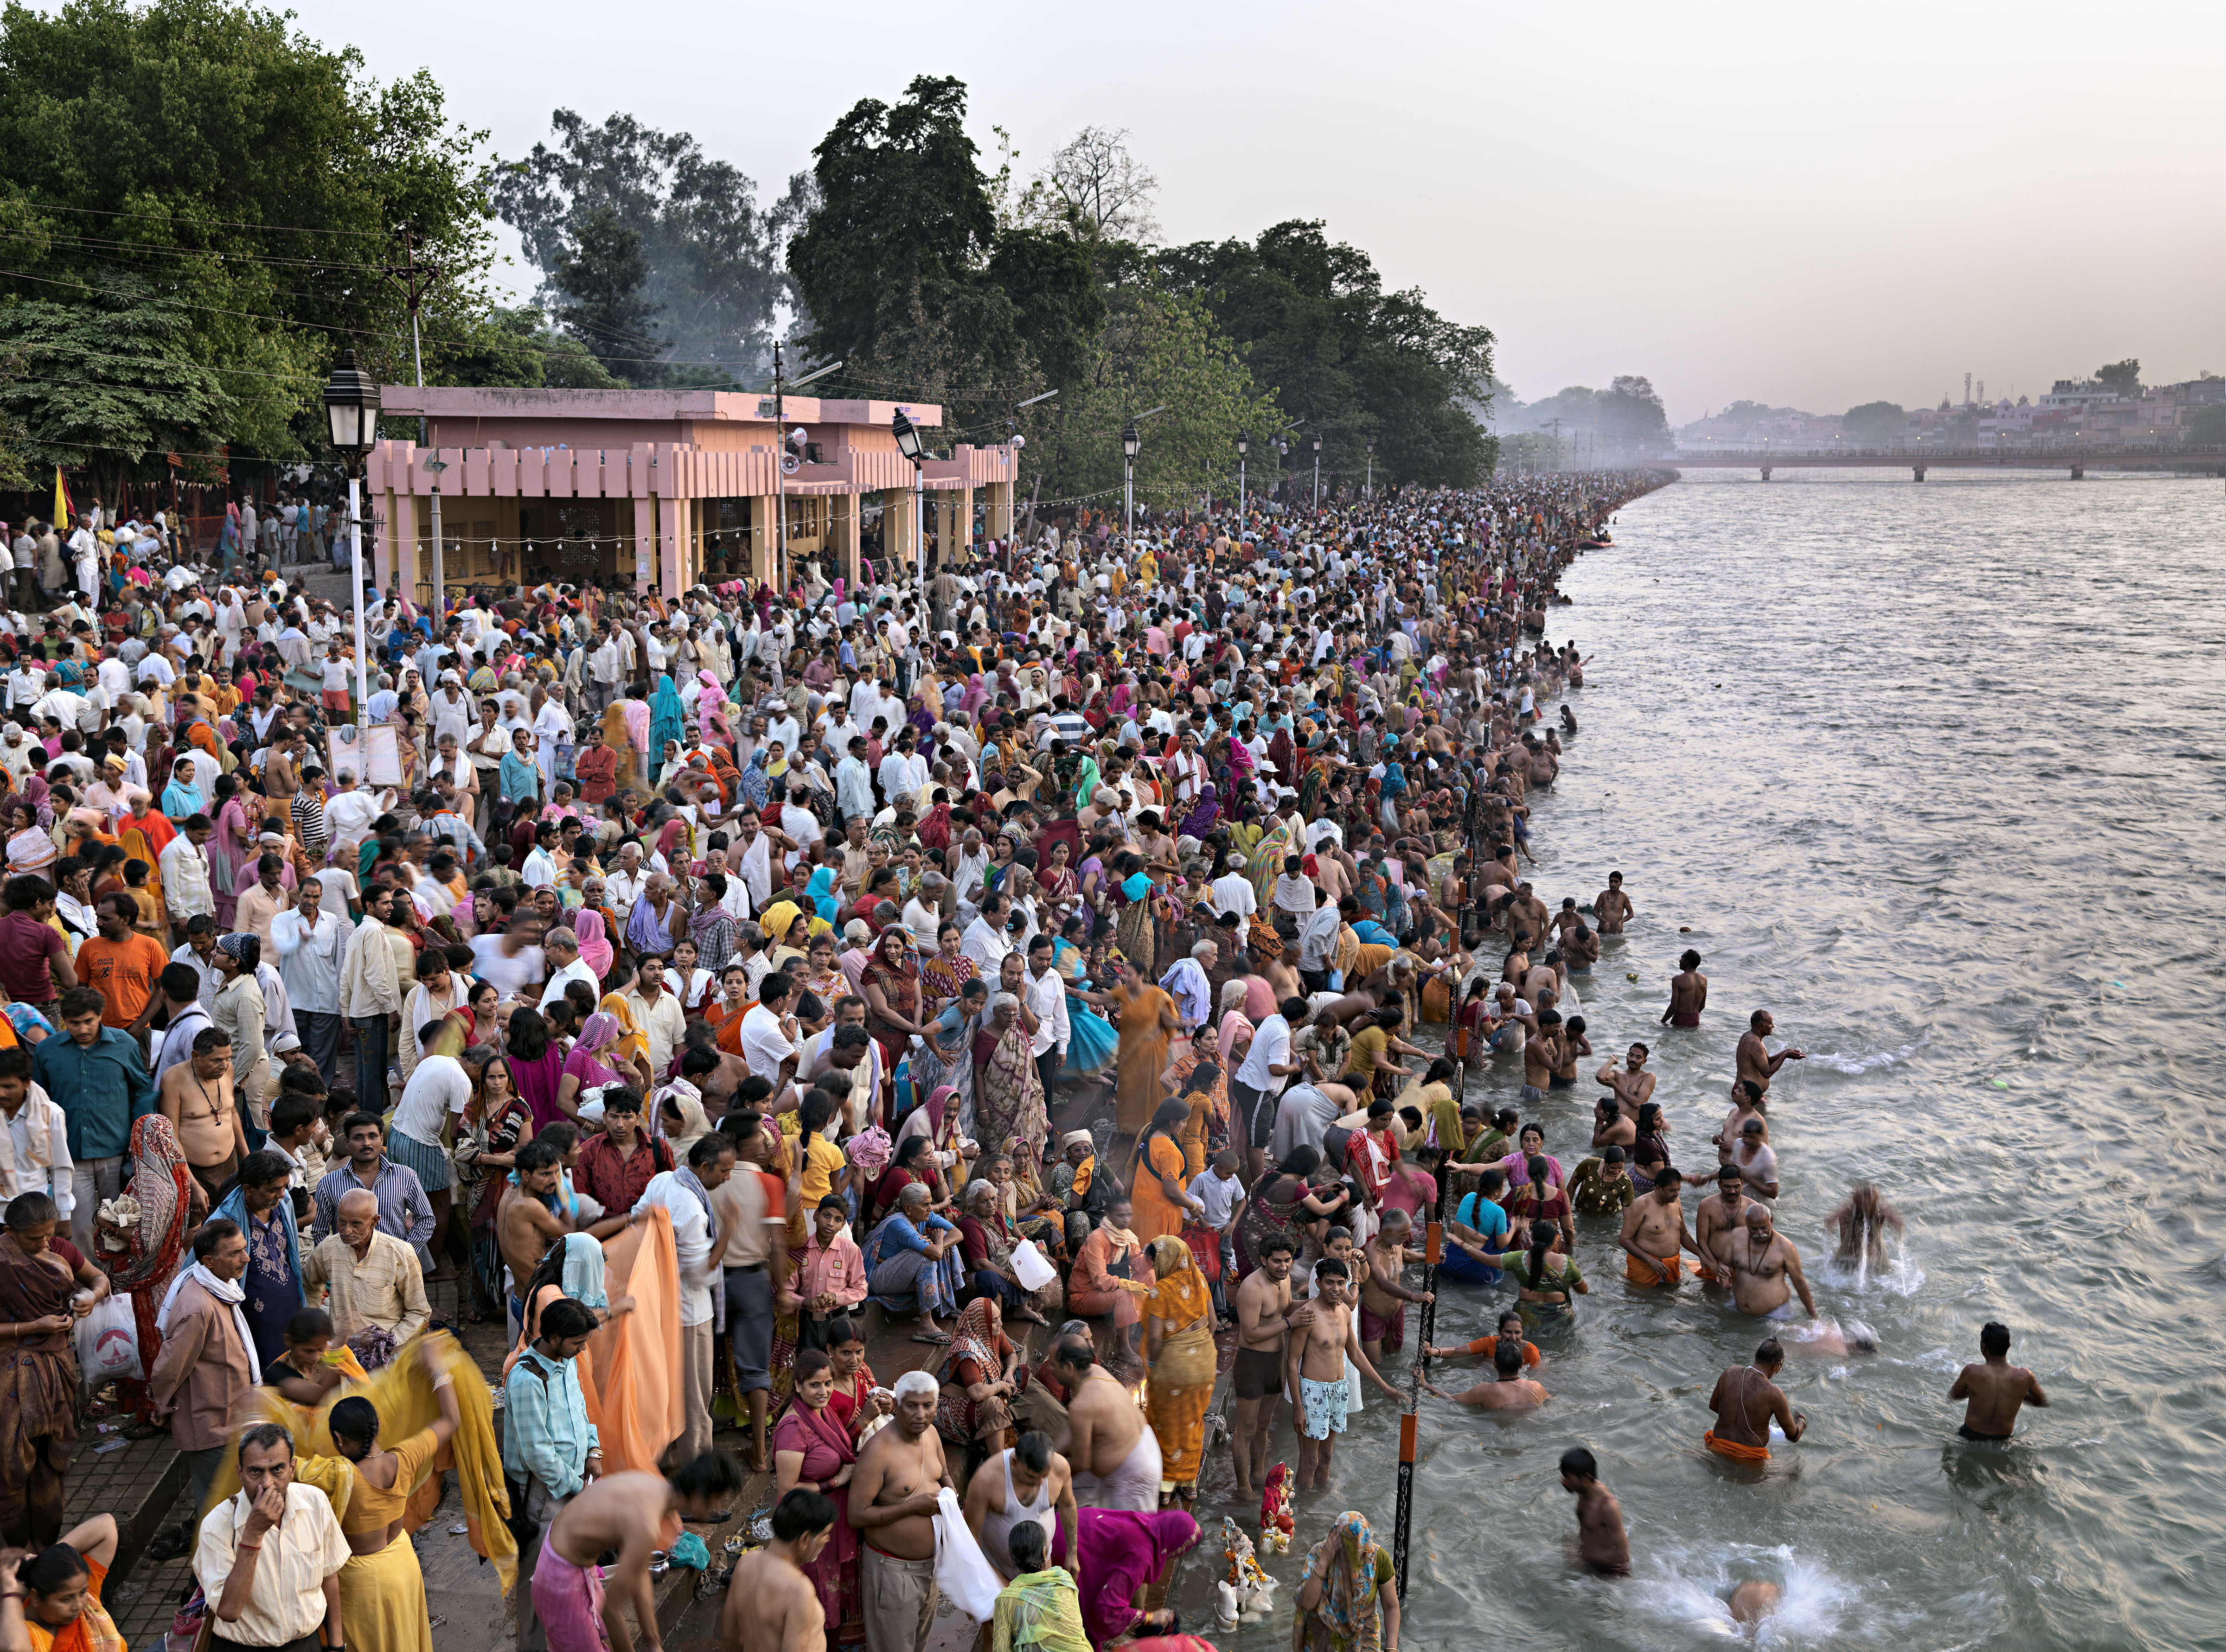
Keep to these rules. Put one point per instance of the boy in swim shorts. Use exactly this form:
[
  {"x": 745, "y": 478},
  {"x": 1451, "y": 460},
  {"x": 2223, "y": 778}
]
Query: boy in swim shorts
[{"x": 1323, "y": 1337}]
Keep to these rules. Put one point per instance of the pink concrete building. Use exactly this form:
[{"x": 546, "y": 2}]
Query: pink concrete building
[{"x": 662, "y": 489}]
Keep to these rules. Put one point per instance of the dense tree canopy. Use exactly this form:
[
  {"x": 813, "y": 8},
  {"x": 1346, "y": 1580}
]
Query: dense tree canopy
[
  {"x": 657, "y": 258},
  {"x": 1310, "y": 318},
  {"x": 211, "y": 186},
  {"x": 1874, "y": 423}
]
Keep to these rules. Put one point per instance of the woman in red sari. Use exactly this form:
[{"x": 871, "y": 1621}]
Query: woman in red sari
[
  {"x": 812, "y": 1448},
  {"x": 143, "y": 1256},
  {"x": 852, "y": 1399},
  {"x": 893, "y": 991}
]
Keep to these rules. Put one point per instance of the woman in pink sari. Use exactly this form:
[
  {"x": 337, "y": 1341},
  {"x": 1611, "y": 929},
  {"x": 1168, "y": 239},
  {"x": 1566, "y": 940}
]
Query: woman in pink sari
[
  {"x": 594, "y": 942},
  {"x": 812, "y": 1449},
  {"x": 1121, "y": 1553},
  {"x": 233, "y": 846},
  {"x": 711, "y": 723}
]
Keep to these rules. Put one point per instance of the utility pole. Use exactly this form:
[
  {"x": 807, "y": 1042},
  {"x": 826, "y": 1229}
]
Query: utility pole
[
  {"x": 1556, "y": 423},
  {"x": 779, "y": 549},
  {"x": 417, "y": 281}
]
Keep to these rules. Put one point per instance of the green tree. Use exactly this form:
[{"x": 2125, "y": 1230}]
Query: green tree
[
  {"x": 713, "y": 258},
  {"x": 903, "y": 228},
  {"x": 2121, "y": 378},
  {"x": 100, "y": 379},
  {"x": 211, "y": 157},
  {"x": 515, "y": 347},
  {"x": 1631, "y": 410},
  {"x": 1310, "y": 316},
  {"x": 1874, "y": 424},
  {"x": 600, "y": 276},
  {"x": 2206, "y": 427},
  {"x": 1158, "y": 349}
]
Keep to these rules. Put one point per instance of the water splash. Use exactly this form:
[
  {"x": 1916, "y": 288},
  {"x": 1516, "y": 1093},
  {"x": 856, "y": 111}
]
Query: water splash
[
  {"x": 1812, "y": 1604},
  {"x": 1852, "y": 1066}
]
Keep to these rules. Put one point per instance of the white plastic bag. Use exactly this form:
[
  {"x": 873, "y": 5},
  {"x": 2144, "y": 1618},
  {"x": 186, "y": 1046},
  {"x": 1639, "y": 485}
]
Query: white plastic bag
[
  {"x": 962, "y": 1571},
  {"x": 1030, "y": 1267},
  {"x": 108, "y": 1341}
]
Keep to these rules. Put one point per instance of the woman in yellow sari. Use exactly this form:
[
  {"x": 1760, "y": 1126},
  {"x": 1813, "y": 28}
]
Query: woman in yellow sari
[
  {"x": 632, "y": 1043},
  {"x": 381, "y": 1587},
  {"x": 1178, "y": 1344}
]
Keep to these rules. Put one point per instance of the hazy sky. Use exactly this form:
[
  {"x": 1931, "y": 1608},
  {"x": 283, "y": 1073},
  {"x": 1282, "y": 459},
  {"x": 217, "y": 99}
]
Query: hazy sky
[{"x": 1800, "y": 204}]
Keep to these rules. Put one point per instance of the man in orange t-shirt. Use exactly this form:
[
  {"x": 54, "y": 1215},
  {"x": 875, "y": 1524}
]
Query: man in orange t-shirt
[{"x": 123, "y": 963}]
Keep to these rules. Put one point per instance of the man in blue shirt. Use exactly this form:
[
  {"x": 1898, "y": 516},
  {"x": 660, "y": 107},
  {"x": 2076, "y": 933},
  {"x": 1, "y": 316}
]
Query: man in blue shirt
[
  {"x": 521, "y": 775},
  {"x": 97, "y": 1072},
  {"x": 404, "y": 1209},
  {"x": 549, "y": 1446}
]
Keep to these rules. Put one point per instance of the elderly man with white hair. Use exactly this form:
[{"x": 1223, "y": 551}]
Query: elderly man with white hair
[{"x": 1186, "y": 983}]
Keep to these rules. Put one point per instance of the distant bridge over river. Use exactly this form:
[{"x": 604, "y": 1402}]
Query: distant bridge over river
[{"x": 1920, "y": 459}]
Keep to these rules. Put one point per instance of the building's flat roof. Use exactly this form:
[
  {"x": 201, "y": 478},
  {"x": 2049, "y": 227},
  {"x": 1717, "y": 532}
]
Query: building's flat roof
[{"x": 443, "y": 401}]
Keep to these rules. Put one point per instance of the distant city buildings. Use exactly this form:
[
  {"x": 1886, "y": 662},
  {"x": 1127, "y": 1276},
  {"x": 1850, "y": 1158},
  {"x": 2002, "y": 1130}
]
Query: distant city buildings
[{"x": 2074, "y": 412}]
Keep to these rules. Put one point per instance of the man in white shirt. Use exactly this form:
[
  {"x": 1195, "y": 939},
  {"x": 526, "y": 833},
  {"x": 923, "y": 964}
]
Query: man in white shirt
[
  {"x": 349, "y": 812},
  {"x": 310, "y": 942},
  {"x": 561, "y": 950},
  {"x": 767, "y": 1045},
  {"x": 630, "y": 881},
  {"x": 552, "y": 726},
  {"x": 922, "y": 913},
  {"x": 781, "y": 727},
  {"x": 658, "y": 1012},
  {"x": 686, "y": 1194},
  {"x": 985, "y": 940},
  {"x": 1043, "y": 990},
  {"x": 1232, "y": 892},
  {"x": 1256, "y": 1087}
]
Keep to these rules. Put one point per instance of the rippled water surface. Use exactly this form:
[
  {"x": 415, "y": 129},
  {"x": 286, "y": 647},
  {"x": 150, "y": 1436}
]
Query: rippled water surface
[{"x": 1936, "y": 774}]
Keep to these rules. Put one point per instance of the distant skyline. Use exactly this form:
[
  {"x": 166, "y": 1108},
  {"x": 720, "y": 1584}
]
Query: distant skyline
[{"x": 1805, "y": 208}]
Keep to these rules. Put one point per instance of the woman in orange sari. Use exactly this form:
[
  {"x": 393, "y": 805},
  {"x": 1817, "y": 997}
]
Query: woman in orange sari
[
  {"x": 1179, "y": 1346},
  {"x": 1158, "y": 1181},
  {"x": 1149, "y": 1024}
]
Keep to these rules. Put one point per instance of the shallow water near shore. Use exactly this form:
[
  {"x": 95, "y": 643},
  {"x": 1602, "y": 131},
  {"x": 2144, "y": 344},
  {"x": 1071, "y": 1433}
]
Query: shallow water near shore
[{"x": 1936, "y": 774}]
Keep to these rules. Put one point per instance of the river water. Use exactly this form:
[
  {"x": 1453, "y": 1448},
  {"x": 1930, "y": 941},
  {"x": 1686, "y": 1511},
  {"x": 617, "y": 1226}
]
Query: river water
[{"x": 1935, "y": 773}]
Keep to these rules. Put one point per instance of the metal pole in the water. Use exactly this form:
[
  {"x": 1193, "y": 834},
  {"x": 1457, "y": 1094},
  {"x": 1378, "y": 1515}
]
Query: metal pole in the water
[{"x": 1402, "y": 1518}]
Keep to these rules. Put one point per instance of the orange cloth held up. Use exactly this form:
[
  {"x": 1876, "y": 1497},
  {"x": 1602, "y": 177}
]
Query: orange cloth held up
[
  {"x": 636, "y": 1356},
  {"x": 1666, "y": 1270},
  {"x": 1733, "y": 1450}
]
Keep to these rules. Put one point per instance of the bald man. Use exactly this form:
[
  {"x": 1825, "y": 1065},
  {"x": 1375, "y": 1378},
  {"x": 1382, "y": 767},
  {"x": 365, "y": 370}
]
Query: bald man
[{"x": 374, "y": 1280}]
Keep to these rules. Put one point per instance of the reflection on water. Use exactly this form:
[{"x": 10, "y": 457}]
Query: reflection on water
[{"x": 1937, "y": 776}]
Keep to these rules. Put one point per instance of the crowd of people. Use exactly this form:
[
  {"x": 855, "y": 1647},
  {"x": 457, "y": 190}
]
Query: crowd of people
[{"x": 697, "y": 983}]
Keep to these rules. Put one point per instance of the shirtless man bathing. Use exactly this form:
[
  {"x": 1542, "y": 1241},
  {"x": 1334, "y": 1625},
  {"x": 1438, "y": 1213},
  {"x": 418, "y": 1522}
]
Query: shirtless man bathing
[
  {"x": 1612, "y": 907},
  {"x": 1994, "y": 1392},
  {"x": 1755, "y": 1061},
  {"x": 1746, "y": 1400},
  {"x": 1509, "y": 1390},
  {"x": 1765, "y": 1269},
  {"x": 771, "y": 1605},
  {"x": 1324, "y": 1335},
  {"x": 633, "y": 1513},
  {"x": 1602, "y": 1545},
  {"x": 1264, "y": 1307},
  {"x": 1114, "y": 1457},
  {"x": 1688, "y": 992},
  {"x": 1654, "y": 1234}
]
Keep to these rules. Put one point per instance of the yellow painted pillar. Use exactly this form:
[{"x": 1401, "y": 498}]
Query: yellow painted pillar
[
  {"x": 900, "y": 546},
  {"x": 764, "y": 546},
  {"x": 842, "y": 524},
  {"x": 999, "y": 517}
]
